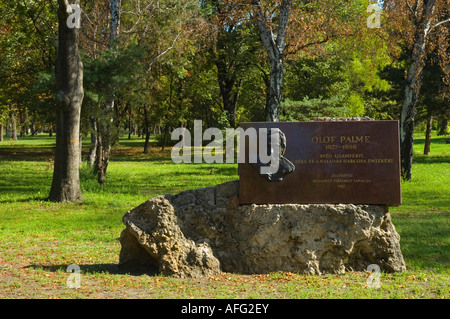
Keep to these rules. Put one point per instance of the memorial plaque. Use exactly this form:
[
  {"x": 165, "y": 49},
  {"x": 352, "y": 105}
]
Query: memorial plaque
[{"x": 344, "y": 162}]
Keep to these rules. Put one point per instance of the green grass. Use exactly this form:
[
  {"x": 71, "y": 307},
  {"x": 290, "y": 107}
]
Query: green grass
[
  {"x": 39, "y": 239},
  {"x": 424, "y": 217}
]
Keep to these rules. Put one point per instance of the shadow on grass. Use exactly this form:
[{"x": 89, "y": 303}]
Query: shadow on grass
[
  {"x": 439, "y": 140},
  {"x": 424, "y": 239},
  {"x": 111, "y": 269},
  {"x": 152, "y": 159},
  {"x": 25, "y": 155},
  {"x": 24, "y": 200},
  {"x": 427, "y": 159}
]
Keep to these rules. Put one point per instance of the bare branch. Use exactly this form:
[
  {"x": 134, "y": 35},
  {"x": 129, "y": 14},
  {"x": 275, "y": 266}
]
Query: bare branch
[
  {"x": 413, "y": 11},
  {"x": 132, "y": 28},
  {"x": 139, "y": 14},
  {"x": 164, "y": 52},
  {"x": 439, "y": 23}
]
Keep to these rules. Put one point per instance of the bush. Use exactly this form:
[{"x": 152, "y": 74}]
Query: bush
[{"x": 308, "y": 109}]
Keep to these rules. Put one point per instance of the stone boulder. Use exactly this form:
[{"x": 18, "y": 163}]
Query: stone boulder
[{"x": 203, "y": 232}]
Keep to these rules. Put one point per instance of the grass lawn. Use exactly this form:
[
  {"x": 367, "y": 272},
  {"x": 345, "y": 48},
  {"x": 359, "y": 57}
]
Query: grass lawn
[{"x": 39, "y": 239}]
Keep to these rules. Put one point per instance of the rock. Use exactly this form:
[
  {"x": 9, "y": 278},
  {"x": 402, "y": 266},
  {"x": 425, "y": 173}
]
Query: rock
[{"x": 203, "y": 232}]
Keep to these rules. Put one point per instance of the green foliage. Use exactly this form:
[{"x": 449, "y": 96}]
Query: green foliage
[
  {"x": 113, "y": 72},
  {"x": 344, "y": 76},
  {"x": 446, "y": 131},
  {"x": 308, "y": 109},
  {"x": 27, "y": 50}
]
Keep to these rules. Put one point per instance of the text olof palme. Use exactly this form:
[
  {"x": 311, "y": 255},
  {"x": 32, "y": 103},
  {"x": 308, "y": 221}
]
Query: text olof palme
[{"x": 342, "y": 139}]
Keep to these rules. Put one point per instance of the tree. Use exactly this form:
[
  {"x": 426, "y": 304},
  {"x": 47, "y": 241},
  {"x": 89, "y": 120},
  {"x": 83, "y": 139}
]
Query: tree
[
  {"x": 232, "y": 44},
  {"x": 27, "y": 47},
  {"x": 422, "y": 27},
  {"x": 434, "y": 98},
  {"x": 105, "y": 125},
  {"x": 122, "y": 50},
  {"x": 341, "y": 81},
  {"x": 275, "y": 47},
  {"x": 69, "y": 98},
  {"x": 316, "y": 23}
]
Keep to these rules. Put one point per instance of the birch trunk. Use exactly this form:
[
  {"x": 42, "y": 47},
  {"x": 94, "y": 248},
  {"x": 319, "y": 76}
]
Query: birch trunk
[
  {"x": 412, "y": 89},
  {"x": 93, "y": 148},
  {"x": 275, "y": 47},
  {"x": 275, "y": 90},
  {"x": 105, "y": 126}
]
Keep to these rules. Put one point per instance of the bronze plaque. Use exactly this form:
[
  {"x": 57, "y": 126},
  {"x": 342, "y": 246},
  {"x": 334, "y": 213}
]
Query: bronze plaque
[{"x": 347, "y": 162}]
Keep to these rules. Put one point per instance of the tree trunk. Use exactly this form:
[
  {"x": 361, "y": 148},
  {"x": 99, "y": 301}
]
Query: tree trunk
[
  {"x": 12, "y": 117},
  {"x": 1, "y": 132},
  {"x": 23, "y": 119},
  {"x": 229, "y": 98},
  {"x": 165, "y": 135},
  {"x": 414, "y": 83},
  {"x": 104, "y": 140},
  {"x": 93, "y": 148},
  {"x": 147, "y": 130},
  {"x": 443, "y": 127},
  {"x": 69, "y": 97},
  {"x": 129, "y": 123},
  {"x": 407, "y": 131},
  {"x": 115, "y": 19},
  {"x": 275, "y": 90},
  {"x": 275, "y": 47},
  {"x": 227, "y": 77},
  {"x": 99, "y": 167},
  {"x": 105, "y": 126},
  {"x": 426, "y": 149},
  {"x": 81, "y": 147}
]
